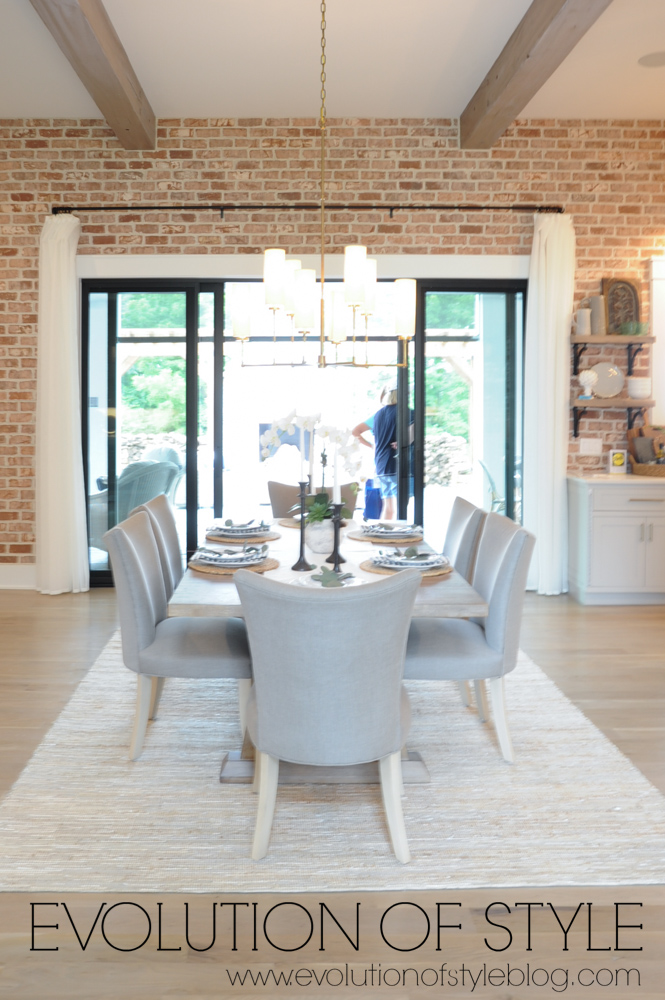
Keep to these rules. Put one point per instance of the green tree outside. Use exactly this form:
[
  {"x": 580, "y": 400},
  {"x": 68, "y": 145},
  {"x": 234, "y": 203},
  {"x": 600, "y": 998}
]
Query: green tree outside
[{"x": 450, "y": 310}]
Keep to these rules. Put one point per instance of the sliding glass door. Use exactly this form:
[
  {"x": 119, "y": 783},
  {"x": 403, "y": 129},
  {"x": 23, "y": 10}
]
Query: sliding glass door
[
  {"x": 467, "y": 392},
  {"x": 148, "y": 390},
  {"x": 174, "y": 403}
]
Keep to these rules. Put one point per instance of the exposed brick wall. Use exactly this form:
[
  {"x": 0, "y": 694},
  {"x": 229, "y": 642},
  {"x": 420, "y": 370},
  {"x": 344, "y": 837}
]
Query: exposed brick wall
[{"x": 609, "y": 175}]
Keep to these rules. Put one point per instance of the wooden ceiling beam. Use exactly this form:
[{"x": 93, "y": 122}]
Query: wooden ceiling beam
[
  {"x": 84, "y": 32},
  {"x": 547, "y": 33}
]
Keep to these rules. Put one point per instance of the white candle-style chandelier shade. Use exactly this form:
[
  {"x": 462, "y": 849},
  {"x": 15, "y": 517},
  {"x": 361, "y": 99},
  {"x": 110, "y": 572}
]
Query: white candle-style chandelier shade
[
  {"x": 405, "y": 308},
  {"x": 273, "y": 277},
  {"x": 355, "y": 259},
  {"x": 304, "y": 317}
]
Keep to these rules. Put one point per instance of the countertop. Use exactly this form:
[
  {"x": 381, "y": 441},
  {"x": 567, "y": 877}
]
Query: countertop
[{"x": 620, "y": 479}]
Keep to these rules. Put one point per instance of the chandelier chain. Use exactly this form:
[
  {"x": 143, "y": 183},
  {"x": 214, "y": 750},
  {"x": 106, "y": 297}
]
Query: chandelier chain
[
  {"x": 322, "y": 126},
  {"x": 323, "y": 64}
]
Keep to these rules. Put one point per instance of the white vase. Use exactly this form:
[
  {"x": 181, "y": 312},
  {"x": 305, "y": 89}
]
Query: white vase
[{"x": 320, "y": 536}]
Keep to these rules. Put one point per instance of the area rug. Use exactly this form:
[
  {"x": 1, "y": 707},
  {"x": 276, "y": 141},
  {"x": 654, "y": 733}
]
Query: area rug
[{"x": 572, "y": 810}]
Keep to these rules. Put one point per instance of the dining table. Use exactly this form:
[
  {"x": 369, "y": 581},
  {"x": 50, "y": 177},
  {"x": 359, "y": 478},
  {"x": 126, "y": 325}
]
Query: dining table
[{"x": 207, "y": 595}]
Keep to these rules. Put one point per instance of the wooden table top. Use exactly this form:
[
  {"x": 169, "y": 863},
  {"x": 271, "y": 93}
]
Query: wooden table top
[{"x": 201, "y": 595}]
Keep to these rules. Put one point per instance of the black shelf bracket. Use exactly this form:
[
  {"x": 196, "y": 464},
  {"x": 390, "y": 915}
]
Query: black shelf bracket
[
  {"x": 633, "y": 351},
  {"x": 633, "y": 412},
  {"x": 578, "y": 351}
]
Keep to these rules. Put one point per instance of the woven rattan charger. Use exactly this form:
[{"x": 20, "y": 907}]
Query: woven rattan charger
[
  {"x": 212, "y": 570},
  {"x": 360, "y": 536}
]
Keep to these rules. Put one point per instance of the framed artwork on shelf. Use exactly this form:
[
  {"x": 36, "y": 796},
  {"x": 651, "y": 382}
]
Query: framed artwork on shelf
[{"x": 622, "y": 303}]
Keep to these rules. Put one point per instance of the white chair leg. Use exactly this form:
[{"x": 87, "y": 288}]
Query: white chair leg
[
  {"x": 498, "y": 698},
  {"x": 404, "y": 755},
  {"x": 155, "y": 695},
  {"x": 464, "y": 692},
  {"x": 480, "y": 692},
  {"x": 268, "y": 775},
  {"x": 143, "y": 698},
  {"x": 244, "y": 688},
  {"x": 390, "y": 769},
  {"x": 257, "y": 772}
]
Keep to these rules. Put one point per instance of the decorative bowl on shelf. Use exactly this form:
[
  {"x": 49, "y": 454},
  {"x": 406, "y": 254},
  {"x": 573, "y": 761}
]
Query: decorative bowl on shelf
[
  {"x": 638, "y": 387},
  {"x": 634, "y": 328}
]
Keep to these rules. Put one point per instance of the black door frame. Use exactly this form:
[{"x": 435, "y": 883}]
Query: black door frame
[
  {"x": 191, "y": 289},
  {"x": 511, "y": 287}
]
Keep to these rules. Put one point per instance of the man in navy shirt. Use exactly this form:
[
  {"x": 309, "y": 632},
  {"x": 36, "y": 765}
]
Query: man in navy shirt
[{"x": 383, "y": 426}]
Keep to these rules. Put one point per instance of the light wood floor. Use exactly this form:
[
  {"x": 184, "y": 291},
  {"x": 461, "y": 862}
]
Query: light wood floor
[{"x": 609, "y": 661}]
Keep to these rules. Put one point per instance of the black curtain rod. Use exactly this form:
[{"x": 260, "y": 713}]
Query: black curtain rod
[{"x": 64, "y": 209}]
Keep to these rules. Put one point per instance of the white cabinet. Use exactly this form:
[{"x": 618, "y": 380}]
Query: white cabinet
[{"x": 616, "y": 531}]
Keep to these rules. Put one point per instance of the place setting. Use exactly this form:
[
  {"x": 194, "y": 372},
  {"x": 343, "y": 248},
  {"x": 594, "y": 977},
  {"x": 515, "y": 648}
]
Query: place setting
[
  {"x": 395, "y": 560},
  {"x": 387, "y": 533},
  {"x": 247, "y": 531},
  {"x": 224, "y": 562}
]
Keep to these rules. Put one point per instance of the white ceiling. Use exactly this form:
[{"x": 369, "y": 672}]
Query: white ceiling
[{"x": 385, "y": 58}]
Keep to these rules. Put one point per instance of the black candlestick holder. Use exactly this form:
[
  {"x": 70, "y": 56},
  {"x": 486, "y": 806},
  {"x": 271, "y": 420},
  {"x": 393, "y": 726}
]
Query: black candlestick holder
[
  {"x": 335, "y": 556},
  {"x": 302, "y": 566}
]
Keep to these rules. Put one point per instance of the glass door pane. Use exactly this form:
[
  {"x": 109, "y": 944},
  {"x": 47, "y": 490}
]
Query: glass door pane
[
  {"x": 205, "y": 452},
  {"x": 265, "y": 380},
  {"x": 136, "y": 407},
  {"x": 150, "y": 399},
  {"x": 97, "y": 427},
  {"x": 472, "y": 406}
]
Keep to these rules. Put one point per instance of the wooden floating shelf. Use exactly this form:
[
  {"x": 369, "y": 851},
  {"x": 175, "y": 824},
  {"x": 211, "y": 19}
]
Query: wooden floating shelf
[
  {"x": 633, "y": 407},
  {"x": 615, "y": 402},
  {"x": 613, "y": 338}
]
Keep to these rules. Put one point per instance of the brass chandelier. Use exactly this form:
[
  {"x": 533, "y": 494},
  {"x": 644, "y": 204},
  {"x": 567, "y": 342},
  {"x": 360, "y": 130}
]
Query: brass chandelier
[{"x": 290, "y": 290}]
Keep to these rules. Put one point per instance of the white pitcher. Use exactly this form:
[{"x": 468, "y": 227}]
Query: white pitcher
[
  {"x": 582, "y": 323},
  {"x": 597, "y": 305}
]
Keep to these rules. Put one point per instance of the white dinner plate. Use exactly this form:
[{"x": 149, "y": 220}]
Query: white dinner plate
[
  {"x": 232, "y": 560},
  {"x": 383, "y": 531},
  {"x": 252, "y": 532},
  {"x": 610, "y": 380},
  {"x": 402, "y": 562}
]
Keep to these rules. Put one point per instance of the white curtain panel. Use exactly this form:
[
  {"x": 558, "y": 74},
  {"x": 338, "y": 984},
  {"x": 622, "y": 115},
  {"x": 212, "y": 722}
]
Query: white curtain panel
[
  {"x": 547, "y": 399},
  {"x": 62, "y": 544}
]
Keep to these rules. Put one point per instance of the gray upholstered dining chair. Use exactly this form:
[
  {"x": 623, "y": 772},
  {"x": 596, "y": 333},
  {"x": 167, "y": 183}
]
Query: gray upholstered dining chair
[
  {"x": 283, "y": 497},
  {"x": 165, "y": 530},
  {"x": 462, "y": 535},
  {"x": 481, "y": 649},
  {"x": 156, "y": 647},
  {"x": 460, "y": 546},
  {"x": 339, "y": 704}
]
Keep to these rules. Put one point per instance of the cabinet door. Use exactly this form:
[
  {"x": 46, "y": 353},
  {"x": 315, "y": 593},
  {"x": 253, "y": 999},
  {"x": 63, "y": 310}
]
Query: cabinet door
[
  {"x": 617, "y": 552},
  {"x": 655, "y": 554}
]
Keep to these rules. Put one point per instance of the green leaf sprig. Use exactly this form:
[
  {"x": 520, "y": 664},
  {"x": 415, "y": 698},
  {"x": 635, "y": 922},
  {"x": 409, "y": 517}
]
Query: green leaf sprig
[{"x": 328, "y": 578}]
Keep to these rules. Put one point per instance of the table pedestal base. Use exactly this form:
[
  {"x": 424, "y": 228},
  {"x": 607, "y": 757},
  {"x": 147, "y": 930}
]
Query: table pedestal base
[{"x": 238, "y": 770}]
